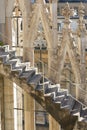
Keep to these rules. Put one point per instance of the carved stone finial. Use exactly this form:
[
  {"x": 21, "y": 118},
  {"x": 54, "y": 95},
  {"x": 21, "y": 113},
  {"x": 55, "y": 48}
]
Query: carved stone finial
[{"x": 67, "y": 12}]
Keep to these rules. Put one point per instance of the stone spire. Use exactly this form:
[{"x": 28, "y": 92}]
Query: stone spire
[
  {"x": 81, "y": 20},
  {"x": 83, "y": 41}
]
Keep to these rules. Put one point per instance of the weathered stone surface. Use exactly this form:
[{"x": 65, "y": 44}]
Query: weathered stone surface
[{"x": 46, "y": 14}]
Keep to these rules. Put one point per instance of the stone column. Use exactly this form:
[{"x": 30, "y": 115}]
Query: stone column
[
  {"x": 52, "y": 62},
  {"x": 53, "y": 124},
  {"x": 8, "y": 31},
  {"x": 9, "y": 5},
  {"x": 2, "y": 20},
  {"x": 8, "y": 104},
  {"x": 29, "y": 115},
  {"x": 28, "y": 50},
  {"x": 2, "y": 121},
  {"x": 54, "y": 19},
  {"x": 2, "y": 32}
]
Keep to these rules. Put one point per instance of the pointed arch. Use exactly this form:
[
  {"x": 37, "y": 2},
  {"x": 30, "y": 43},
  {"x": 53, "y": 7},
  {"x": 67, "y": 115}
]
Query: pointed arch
[
  {"x": 66, "y": 46},
  {"x": 34, "y": 23},
  {"x": 35, "y": 18}
]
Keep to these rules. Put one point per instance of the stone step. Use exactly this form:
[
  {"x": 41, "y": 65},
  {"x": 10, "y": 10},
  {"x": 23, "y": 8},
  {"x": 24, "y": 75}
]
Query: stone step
[
  {"x": 61, "y": 93},
  {"x": 83, "y": 113},
  {"x": 58, "y": 95},
  {"x": 42, "y": 86},
  {"x": 59, "y": 99},
  {"x": 35, "y": 79},
  {"x": 68, "y": 102},
  {"x": 76, "y": 108},
  {"x": 27, "y": 74}
]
